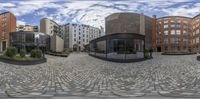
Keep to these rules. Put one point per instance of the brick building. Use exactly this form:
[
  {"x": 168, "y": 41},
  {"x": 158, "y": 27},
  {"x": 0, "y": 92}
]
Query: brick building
[
  {"x": 176, "y": 34},
  {"x": 7, "y": 25}
]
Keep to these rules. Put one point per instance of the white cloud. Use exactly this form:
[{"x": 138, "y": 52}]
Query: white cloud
[
  {"x": 94, "y": 12},
  {"x": 183, "y": 10},
  {"x": 20, "y": 22},
  {"x": 7, "y": 5}
]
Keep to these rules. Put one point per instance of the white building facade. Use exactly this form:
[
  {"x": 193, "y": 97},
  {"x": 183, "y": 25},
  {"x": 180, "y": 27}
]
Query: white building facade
[{"x": 78, "y": 36}]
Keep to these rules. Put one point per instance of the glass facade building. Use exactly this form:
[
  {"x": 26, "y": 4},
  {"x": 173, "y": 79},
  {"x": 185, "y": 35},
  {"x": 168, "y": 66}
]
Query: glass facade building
[
  {"x": 29, "y": 40},
  {"x": 119, "y": 47},
  {"x": 127, "y": 36}
]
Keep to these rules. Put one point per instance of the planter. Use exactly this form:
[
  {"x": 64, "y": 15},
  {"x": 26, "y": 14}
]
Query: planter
[{"x": 23, "y": 62}]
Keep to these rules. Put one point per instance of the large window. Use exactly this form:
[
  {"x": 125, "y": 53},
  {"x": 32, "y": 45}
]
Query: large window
[
  {"x": 166, "y": 21},
  {"x": 178, "y": 20},
  {"x": 178, "y": 26},
  {"x": 178, "y": 32},
  {"x": 184, "y": 32},
  {"x": 197, "y": 40},
  {"x": 172, "y": 40},
  {"x": 178, "y": 40},
  {"x": 166, "y": 26},
  {"x": 166, "y": 40},
  {"x": 173, "y": 32},
  {"x": 166, "y": 32},
  {"x": 173, "y": 26}
]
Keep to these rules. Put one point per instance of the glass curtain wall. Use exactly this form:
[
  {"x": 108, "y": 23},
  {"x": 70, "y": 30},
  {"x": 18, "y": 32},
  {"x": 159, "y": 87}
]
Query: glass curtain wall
[{"x": 118, "y": 49}]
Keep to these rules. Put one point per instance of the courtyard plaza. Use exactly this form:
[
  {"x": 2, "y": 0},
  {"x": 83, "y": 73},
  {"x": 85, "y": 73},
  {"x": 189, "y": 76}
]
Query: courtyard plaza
[{"x": 84, "y": 76}]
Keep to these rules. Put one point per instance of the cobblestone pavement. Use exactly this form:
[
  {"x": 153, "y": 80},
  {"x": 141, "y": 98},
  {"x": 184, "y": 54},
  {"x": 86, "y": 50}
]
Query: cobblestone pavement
[{"x": 83, "y": 75}]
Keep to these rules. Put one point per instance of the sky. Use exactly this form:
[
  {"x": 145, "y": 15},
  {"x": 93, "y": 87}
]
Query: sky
[{"x": 92, "y": 12}]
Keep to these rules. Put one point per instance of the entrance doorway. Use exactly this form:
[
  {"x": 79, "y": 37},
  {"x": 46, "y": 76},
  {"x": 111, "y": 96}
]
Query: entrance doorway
[
  {"x": 3, "y": 45},
  {"x": 158, "y": 49}
]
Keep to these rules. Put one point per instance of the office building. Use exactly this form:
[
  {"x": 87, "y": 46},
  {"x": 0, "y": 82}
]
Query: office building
[
  {"x": 29, "y": 40},
  {"x": 77, "y": 36},
  {"x": 7, "y": 25}
]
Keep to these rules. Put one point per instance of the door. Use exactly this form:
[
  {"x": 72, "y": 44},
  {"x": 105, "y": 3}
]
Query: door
[
  {"x": 3, "y": 45},
  {"x": 158, "y": 49}
]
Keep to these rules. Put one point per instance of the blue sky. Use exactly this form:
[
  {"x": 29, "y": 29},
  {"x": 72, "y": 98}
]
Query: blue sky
[{"x": 93, "y": 12}]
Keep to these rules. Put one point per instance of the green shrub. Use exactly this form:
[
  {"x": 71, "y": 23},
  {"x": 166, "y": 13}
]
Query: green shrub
[
  {"x": 22, "y": 53},
  {"x": 36, "y": 53},
  {"x": 146, "y": 53},
  {"x": 11, "y": 51}
]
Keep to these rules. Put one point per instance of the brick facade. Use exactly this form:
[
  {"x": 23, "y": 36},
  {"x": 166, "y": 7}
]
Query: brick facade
[
  {"x": 176, "y": 34},
  {"x": 7, "y": 25}
]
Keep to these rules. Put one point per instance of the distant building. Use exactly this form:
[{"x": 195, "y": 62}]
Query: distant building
[
  {"x": 8, "y": 24},
  {"x": 27, "y": 28},
  {"x": 77, "y": 36},
  {"x": 52, "y": 29},
  {"x": 29, "y": 40}
]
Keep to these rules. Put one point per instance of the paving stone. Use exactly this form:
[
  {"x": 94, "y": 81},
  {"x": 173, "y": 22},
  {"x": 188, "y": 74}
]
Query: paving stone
[{"x": 80, "y": 74}]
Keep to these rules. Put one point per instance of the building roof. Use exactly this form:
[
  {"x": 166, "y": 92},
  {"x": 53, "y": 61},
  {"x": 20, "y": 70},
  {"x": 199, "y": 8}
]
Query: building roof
[
  {"x": 6, "y": 12},
  {"x": 50, "y": 20},
  {"x": 174, "y": 16}
]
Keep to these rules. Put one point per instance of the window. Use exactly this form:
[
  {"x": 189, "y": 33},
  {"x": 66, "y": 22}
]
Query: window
[
  {"x": 166, "y": 32},
  {"x": 189, "y": 21},
  {"x": 172, "y": 40},
  {"x": 178, "y": 20},
  {"x": 165, "y": 26},
  {"x": 185, "y": 40},
  {"x": 166, "y": 40},
  {"x": 197, "y": 40},
  {"x": 197, "y": 31},
  {"x": 173, "y": 26},
  {"x": 178, "y": 40},
  {"x": 172, "y": 21},
  {"x": 184, "y": 32},
  {"x": 166, "y": 20},
  {"x": 172, "y": 32},
  {"x": 74, "y": 39},
  {"x": 184, "y": 26},
  {"x": 178, "y": 32},
  {"x": 166, "y": 47},
  {"x": 178, "y": 26}
]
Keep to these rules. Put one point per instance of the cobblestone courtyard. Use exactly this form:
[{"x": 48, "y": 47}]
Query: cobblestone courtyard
[{"x": 83, "y": 75}]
